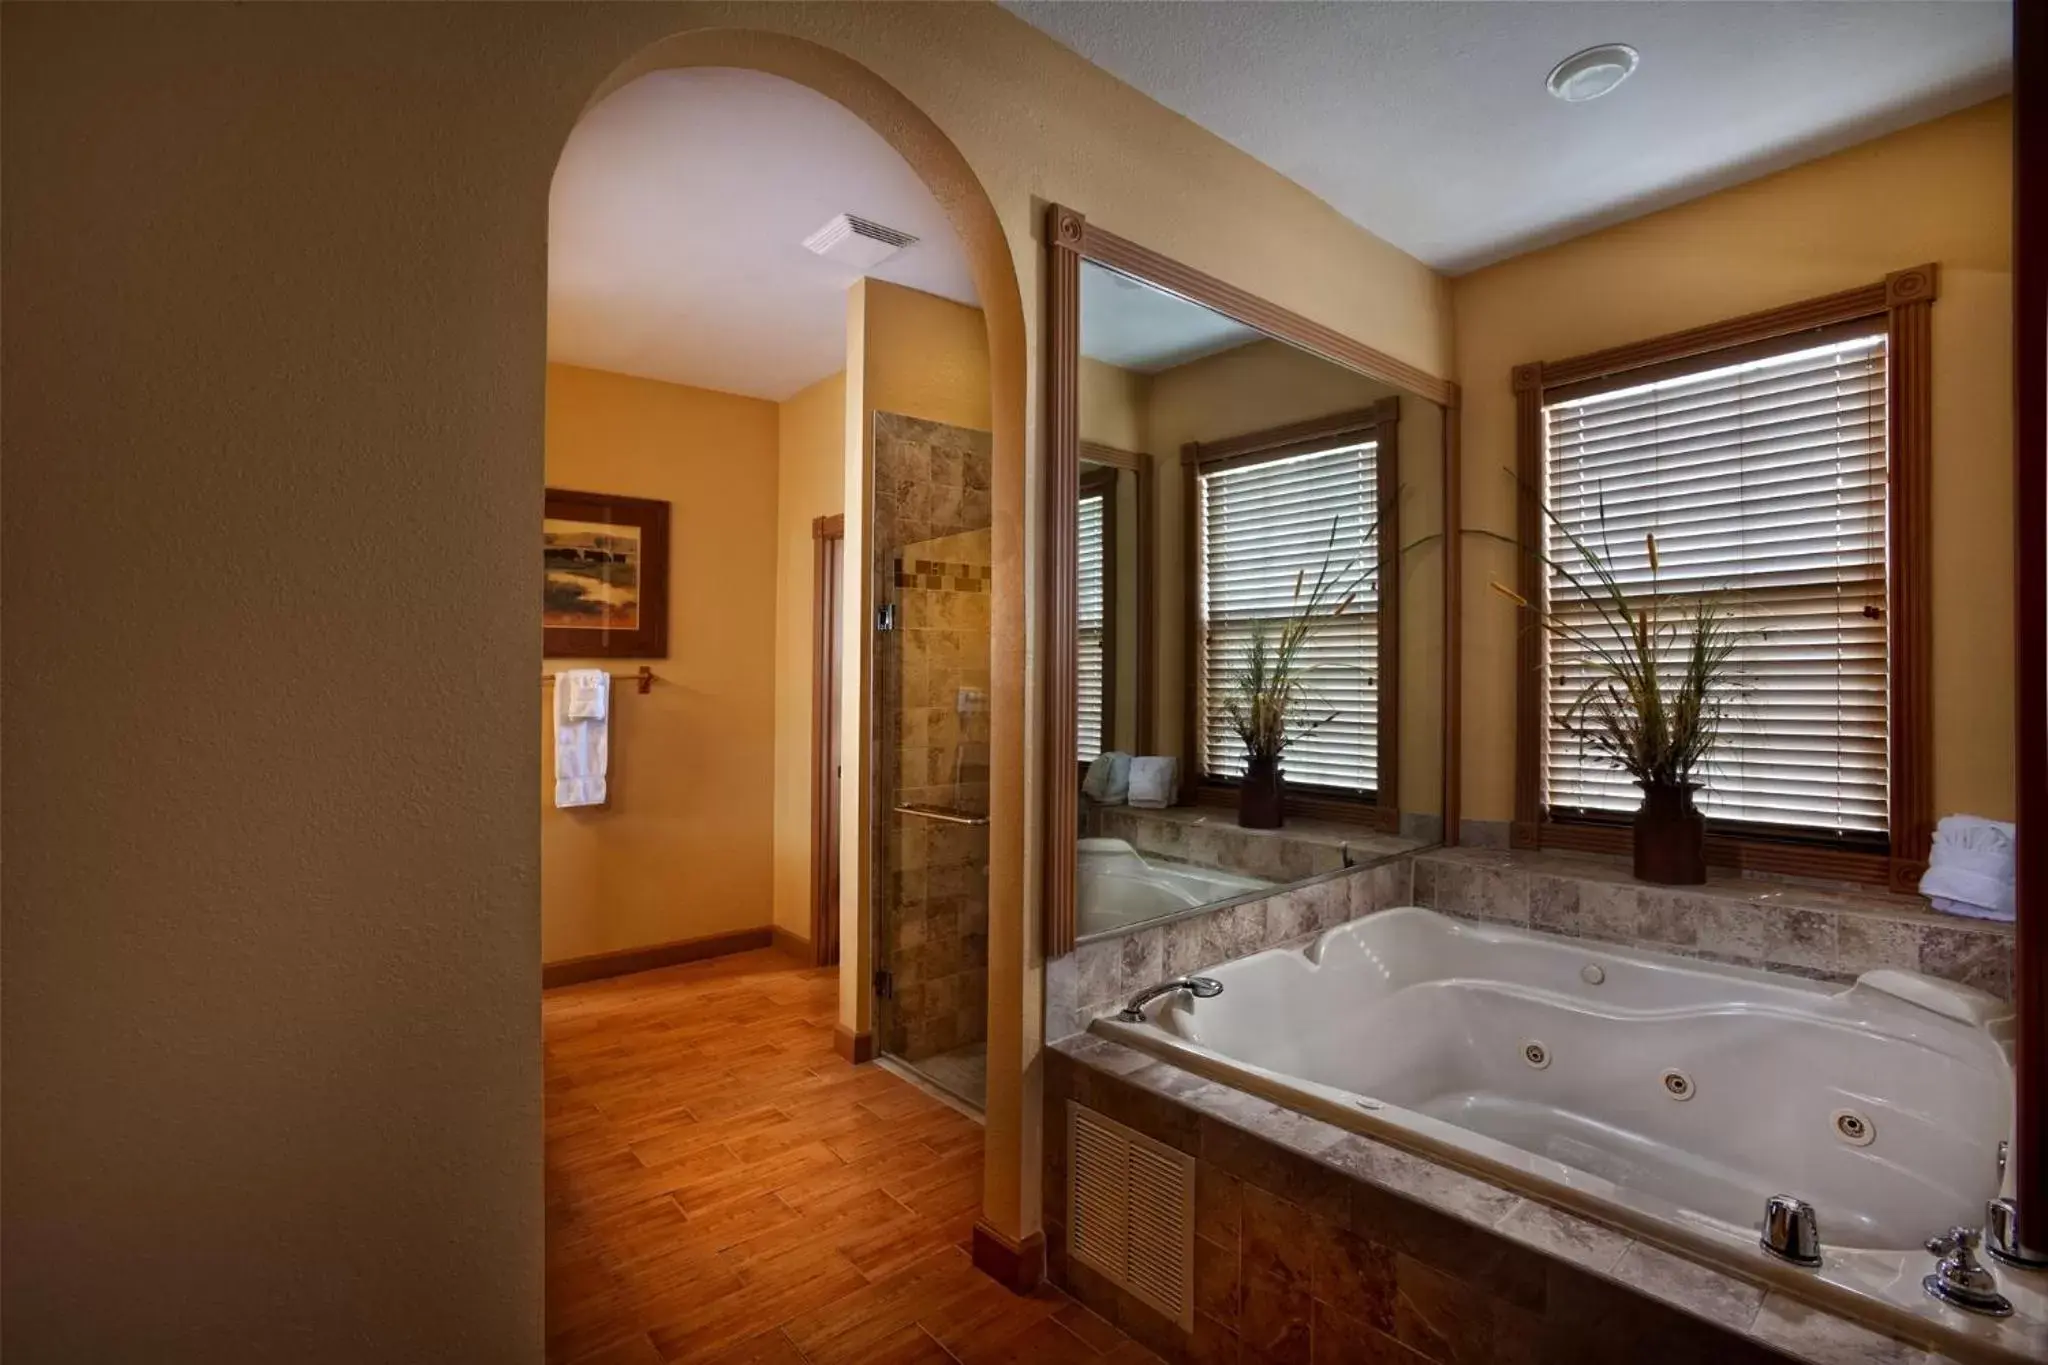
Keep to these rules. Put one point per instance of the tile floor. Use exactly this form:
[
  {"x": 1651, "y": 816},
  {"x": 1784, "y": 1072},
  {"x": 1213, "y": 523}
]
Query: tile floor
[{"x": 721, "y": 1187}]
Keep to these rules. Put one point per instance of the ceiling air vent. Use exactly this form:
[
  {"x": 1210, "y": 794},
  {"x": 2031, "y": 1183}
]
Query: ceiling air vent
[
  {"x": 857, "y": 242},
  {"x": 1131, "y": 1212}
]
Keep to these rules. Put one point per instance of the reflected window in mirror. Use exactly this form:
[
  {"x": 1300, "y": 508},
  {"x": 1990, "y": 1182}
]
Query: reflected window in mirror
[
  {"x": 1287, "y": 522},
  {"x": 1094, "y": 689}
]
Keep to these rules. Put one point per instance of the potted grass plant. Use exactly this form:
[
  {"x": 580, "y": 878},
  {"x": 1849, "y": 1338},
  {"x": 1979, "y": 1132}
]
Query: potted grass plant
[
  {"x": 1663, "y": 679},
  {"x": 1268, "y": 691}
]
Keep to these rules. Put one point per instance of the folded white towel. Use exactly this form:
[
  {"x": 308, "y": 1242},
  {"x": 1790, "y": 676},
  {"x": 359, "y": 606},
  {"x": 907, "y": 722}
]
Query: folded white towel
[
  {"x": 582, "y": 743},
  {"x": 1108, "y": 779},
  {"x": 1970, "y": 868},
  {"x": 1969, "y": 911},
  {"x": 1155, "y": 782},
  {"x": 588, "y": 691}
]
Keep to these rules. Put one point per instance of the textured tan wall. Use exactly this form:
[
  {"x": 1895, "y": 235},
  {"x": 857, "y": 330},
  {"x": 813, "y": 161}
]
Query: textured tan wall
[
  {"x": 275, "y": 311},
  {"x": 810, "y": 483},
  {"x": 684, "y": 847},
  {"x": 1939, "y": 192}
]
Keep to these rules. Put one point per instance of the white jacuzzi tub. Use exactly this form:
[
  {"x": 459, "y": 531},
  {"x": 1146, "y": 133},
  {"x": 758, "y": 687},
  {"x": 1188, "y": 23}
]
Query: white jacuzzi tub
[
  {"x": 1115, "y": 886},
  {"x": 1546, "y": 1062}
]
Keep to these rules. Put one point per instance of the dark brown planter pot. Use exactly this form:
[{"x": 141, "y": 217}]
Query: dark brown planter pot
[
  {"x": 1258, "y": 795},
  {"x": 1671, "y": 837}
]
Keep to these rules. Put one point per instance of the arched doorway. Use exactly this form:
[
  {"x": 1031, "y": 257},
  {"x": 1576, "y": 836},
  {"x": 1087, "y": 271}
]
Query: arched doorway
[{"x": 1012, "y": 995}]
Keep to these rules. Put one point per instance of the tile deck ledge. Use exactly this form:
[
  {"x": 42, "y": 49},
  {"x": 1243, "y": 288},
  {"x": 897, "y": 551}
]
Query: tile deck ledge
[{"x": 1756, "y": 1305}]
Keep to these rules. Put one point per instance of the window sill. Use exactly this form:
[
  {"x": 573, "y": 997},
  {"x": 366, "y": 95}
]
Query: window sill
[{"x": 1774, "y": 923}]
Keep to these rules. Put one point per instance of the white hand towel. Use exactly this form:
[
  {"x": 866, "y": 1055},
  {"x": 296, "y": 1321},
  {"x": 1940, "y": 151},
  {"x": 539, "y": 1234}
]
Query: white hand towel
[
  {"x": 1155, "y": 782},
  {"x": 589, "y": 691},
  {"x": 582, "y": 743},
  {"x": 1108, "y": 779},
  {"x": 1970, "y": 868}
]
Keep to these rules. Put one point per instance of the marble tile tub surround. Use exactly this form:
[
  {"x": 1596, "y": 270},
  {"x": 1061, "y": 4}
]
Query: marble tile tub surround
[
  {"x": 1825, "y": 934},
  {"x": 1316, "y": 1244},
  {"x": 1208, "y": 836},
  {"x": 1104, "y": 970}
]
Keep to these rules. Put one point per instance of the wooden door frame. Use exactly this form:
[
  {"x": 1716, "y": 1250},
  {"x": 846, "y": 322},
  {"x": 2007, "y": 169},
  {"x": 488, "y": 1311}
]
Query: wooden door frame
[
  {"x": 828, "y": 534},
  {"x": 2030, "y": 476}
]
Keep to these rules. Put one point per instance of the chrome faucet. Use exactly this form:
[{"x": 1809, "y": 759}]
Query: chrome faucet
[
  {"x": 2005, "y": 1237},
  {"x": 1201, "y": 987},
  {"x": 1790, "y": 1230},
  {"x": 1960, "y": 1279}
]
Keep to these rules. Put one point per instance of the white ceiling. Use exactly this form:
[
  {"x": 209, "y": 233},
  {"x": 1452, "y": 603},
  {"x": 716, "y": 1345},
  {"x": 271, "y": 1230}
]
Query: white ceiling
[
  {"x": 1428, "y": 123},
  {"x": 1140, "y": 328},
  {"x": 676, "y": 227}
]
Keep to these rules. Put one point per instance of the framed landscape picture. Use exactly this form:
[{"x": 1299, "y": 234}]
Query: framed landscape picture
[{"x": 606, "y": 577}]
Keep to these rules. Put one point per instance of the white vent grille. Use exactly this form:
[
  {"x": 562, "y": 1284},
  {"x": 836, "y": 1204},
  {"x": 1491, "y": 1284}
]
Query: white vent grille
[
  {"x": 1131, "y": 1211},
  {"x": 857, "y": 242}
]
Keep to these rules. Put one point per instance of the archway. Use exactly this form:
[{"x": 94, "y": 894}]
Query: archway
[{"x": 1005, "y": 1241}]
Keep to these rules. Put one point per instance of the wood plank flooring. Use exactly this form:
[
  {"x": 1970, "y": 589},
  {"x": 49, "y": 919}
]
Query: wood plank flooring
[{"x": 721, "y": 1187}]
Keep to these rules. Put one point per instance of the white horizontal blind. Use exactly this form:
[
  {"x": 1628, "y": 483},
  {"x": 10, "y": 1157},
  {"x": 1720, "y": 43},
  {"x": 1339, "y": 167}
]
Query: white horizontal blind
[
  {"x": 1089, "y": 703},
  {"x": 1265, "y": 527},
  {"x": 1764, "y": 483}
]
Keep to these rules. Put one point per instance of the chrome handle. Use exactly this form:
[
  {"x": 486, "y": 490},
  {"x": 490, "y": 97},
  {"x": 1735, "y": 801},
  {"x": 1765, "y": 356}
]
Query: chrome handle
[
  {"x": 943, "y": 816},
  {"x": 1791, "y": 1231}
]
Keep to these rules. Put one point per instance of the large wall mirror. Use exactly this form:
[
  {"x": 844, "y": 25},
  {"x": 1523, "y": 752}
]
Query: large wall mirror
[{"x": 1242, "y": 508}]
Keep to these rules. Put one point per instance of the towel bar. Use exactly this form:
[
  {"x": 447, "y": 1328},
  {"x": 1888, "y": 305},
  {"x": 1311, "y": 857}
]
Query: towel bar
[
  {"x": 942, "y": 815},
  {"x": 643, "y": 679}
]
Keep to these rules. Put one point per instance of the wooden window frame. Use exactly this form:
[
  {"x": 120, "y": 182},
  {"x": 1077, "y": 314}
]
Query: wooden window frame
[
  {"x": 1069, "y": 239},
  {"x": 1902, "y": 301},
  {"x": 1102, "y": 483},
  {"x": 1379, "y": 424}
]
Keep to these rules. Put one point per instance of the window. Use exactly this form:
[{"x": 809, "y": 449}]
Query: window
[
  {"x": 1265, "y": 526},
  {"x": 1090, "y": 703},
  {"x": 1784, "y": 459},
  {"x": 1763, "y": 477}
]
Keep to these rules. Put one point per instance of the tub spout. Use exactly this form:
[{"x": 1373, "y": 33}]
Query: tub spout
[
  {"x": 1201, "y": 987},
  {"x": 2004, "y": 1237},
  {"x": 1791, "y": 1232}
]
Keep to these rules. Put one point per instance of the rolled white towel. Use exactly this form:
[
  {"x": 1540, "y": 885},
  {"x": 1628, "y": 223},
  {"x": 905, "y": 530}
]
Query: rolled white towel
[
  {"x": 1970, "y": 868},
  {"x": 1109, "y": 779},
  {"x": 1155, "y": 782}
]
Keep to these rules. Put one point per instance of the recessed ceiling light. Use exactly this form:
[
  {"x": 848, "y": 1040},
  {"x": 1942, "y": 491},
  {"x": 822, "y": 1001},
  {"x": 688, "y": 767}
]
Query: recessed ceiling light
[{"x": 1590, "y": 74}]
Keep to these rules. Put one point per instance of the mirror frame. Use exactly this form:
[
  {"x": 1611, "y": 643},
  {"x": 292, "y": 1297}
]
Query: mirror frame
[{"x": 1069, "y": 240}]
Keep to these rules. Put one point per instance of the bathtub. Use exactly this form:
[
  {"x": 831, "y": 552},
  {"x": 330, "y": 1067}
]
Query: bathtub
[
  {"x": 1663, "y": 1094},
  {"x": 1115, "y": 887}
]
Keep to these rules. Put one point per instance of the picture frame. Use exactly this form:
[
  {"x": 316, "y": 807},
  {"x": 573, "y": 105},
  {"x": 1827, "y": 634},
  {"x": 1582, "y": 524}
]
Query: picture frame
[{"x": 604, "y": 592}]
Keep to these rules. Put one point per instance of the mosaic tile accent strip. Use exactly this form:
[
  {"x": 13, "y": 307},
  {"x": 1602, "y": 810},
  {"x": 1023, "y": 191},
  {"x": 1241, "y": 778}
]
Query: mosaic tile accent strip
[{"x": 1822, "y": 934}]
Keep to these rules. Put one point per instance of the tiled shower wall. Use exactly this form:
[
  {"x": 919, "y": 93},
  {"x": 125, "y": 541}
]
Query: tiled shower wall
[{"x": 930, "y": 542}]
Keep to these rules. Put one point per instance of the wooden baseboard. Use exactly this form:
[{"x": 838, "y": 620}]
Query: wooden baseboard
[
  {"x": 1018, "y": 1267},
  {"x": 598, "y": 966},
  {"x": 796, "y": 945},
  {"x": 854, "y": 1047}
]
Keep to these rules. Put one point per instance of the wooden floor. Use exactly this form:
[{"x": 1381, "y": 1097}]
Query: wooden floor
[{"x": 722, "y": 1187}]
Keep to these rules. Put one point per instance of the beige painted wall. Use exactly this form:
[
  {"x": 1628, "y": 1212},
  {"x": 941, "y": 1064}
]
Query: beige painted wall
[
  {"x": 811, "y": 454},
  {"x": 683, "y": 849},
  {"x": 1938, "y": 192},
  {"x": 1115, "y": 405},
  {"x": 271, "y": 969}
]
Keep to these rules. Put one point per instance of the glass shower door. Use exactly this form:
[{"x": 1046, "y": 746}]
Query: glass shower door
[{"x": 931, "y": 564}]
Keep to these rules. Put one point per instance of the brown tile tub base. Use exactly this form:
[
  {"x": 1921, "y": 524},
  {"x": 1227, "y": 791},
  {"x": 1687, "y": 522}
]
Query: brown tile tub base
[{"x": 1317, "y": 1245}]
